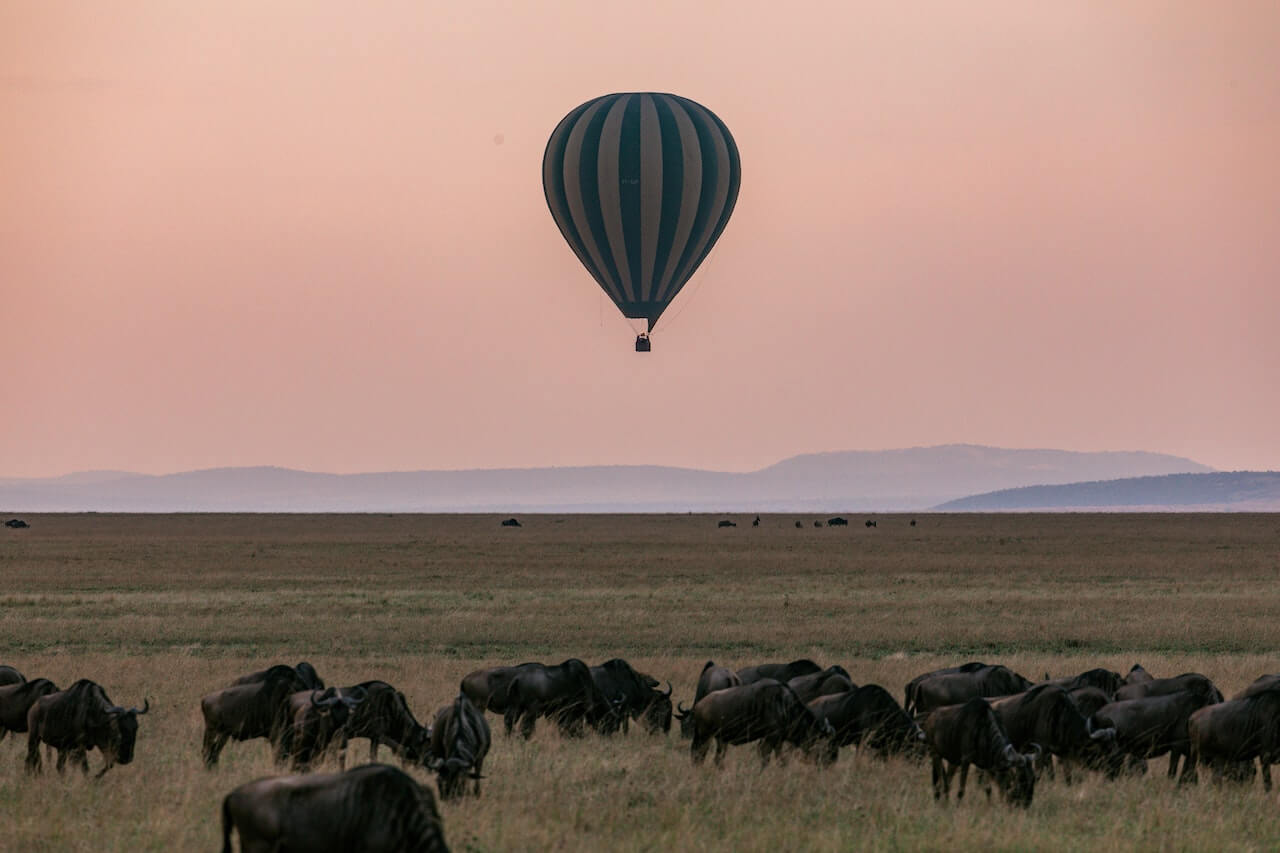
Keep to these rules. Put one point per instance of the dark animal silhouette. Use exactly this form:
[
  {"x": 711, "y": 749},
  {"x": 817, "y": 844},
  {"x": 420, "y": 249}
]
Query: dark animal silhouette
[
  {"x": 727, "y": 523},
  {"x": 837, "y": 522},
  {"x": 374, "y": 808},
  {"x": 16, "y": 523},
  {"x": 960, "y": 735},
  {"x": 870, "y": 523},
  {"x": 459, "y": 743},
  {"x": 510, "y": 522},
  {"x": 78, "y": 719},
  {"x": 767, "y": 711},
  {"x": 713, "y": 678}
]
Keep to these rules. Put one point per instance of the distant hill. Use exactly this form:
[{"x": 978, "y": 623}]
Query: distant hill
[
  {"x": 910, "y": 479},
  {"x": 1251, "y": 491}
]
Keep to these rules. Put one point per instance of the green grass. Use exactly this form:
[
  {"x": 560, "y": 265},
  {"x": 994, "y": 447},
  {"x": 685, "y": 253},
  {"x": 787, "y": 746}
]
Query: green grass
[{"x": 172, "y": 607}]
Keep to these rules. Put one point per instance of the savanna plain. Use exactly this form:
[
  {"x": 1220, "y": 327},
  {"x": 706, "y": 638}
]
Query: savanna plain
[{"x": 170, "y": 607}]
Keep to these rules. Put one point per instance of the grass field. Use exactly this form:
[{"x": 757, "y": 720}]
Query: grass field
[{"x": 173, "y": 607}]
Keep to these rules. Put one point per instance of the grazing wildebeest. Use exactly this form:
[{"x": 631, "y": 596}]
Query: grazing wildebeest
[
  {"x": 783, "y": 672},
  {"x": 833, "y": 679},
  {"x": 1151, "y": 726},
  {"x": 1192, "y": 682},
  {"x": 870, "y": 523},
  {"x": 869, "y": 718},
  {"x": 756, "y": 521},
  {"x": 1136, "y": 675},
  {"x": 960, "y": 735},
  {"x": 459, "y": 742},
  {"x": 1104, "y": 679},
  {"x": 373, "y": 808},
  {"x": 317, "y": 720},
  {"x": 641, "y": 698},
  {"x": 384, "y": 717},
  {"x": 9, "y": 675},
  {"x": 1089, "y": 700},
  {"x": 837, "y": 522},
  {"x": 305, "y": 673},
  {"x": 713, "y": 678},
  {"x": 913, "y": 522},
  {"x": 727, "y": 523},
  {"x": 488, "y": 688},
  {"x": 800, "y": 524},
  {"x": 766, "y": 710},
  {"x": 16, "y": 523},
  {"x": 510, "y": 522},
  {"x": 16, "y": 701},
  {"x": 247, "y": 711},
  {"x": 564, "y": 693},
  {"x": 1046, "y": 715},
  {"x": 1263, "y": 682},
  {"x": 78, "y": 719},
  {"x": 955, "y": 687},
  {"x": 909, "y": 699},
  {"x": 1227, "y": 736}
]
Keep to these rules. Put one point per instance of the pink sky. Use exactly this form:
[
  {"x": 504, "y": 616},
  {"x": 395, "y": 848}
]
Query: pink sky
[{"x": 248, "y": 233}]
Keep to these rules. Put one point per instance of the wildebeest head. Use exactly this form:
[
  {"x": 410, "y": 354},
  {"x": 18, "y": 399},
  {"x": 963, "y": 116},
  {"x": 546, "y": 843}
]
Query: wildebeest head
[
  {"x": 122, "y": 732},
  {"x": 1016, "y": 774},
  {"x": 657, "y": 715},
  {"x": 310, "y": 678},
  {"x": 331, "y": 704}
]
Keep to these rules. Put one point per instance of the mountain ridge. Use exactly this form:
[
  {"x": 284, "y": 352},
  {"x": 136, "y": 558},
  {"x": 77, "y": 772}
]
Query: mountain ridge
[{"x": 915, "y": 478}]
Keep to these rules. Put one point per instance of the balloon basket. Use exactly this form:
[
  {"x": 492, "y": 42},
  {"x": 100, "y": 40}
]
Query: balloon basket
[{"x": 642, "y": 343}]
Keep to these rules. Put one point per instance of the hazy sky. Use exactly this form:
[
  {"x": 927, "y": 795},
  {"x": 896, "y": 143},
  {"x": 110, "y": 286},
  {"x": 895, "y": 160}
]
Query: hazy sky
[{"x": 313, "y": 234}]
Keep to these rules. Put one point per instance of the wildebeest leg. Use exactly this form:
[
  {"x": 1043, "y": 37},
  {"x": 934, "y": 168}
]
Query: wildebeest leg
[
  {"x": 61, "y": 764},
  {"x": 941, "y": 781},
  {"x": 767, "y": 748},
  {"x": 1174, "y": 755},
  {"x": 81, "y": 757},
  {"x": 107, "y": 765},
  {"x": 1066, "y": 768},
  {"x": 373, "y": 747},
  {"x": 212, "y": 747},
  {"x": 527, "y": 722},
  {"x": 721, "y": 748},
  {"x": 33, "y": 752},
  {"x": 1044, "y": 765},
  {"x": 1189, "y": 775},
  {"x": 1266, "y": 775},
  {"x": 698, "y": 750},
  {"x": 509, "y": 718},
  {"x": 964, "y": 775}
]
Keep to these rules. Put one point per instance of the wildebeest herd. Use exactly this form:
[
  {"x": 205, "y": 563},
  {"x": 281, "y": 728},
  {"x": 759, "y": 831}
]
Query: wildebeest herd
[{"x": 1012, "y": 730}]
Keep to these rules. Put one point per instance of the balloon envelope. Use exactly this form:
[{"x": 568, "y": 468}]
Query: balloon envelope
[{"x": 641, "y": 185}]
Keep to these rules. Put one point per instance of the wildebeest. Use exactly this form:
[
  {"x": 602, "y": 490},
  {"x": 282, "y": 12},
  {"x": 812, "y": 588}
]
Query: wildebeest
[
  {"x": 817, "y": 524},
  {"x": 1151, "y": 726},
  {"x": 869, "y": 718},
  {"x": 960, "y": 735},
  {"x": 1046, "y": 715},
  {"x": 510, "y": 522},
  {"x": 384, "y": 717},
  {"x": 953, "y": 688},
  {"x": 459, "y": 742},
  {"x": 713, "y": 678},
  {"x": 373, "y": 808},
  {"x": 16, "y": 701},
  {"x": 78, "y": 719},
  {"x": 1225, "y": 736},
  {"x": 765, "y": 710},
  {"x": 487, "y": 688},
  {"x": 1192, "y": 682},
  {"x": 755, "y": 522},
  {"x": 870, "y": 523},
  {"x": 9, "y": 675},
  {"x": 913, "y": 522},
  {"x": 837, "y": 522},
  {"x": 909, "y": 699},
  {"x": 799, "y": 524},
  {"x": 783, "y": 672},
  {"x": 245, "y": 711},
  {"x": 317, "y": 719},
  {"x": 833, "y": 679},
  {"x": 305, "y": 673},
  {"x": 727, "y": 523},
  {"x": 1104, "y": 679},
  {"x": 641, "y": 698},
  {"x": 564, "y": 693},
  {"x": 16, "y": 523}
]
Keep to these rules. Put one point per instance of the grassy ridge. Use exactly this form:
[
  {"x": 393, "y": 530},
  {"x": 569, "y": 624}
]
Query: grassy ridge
[{"x": 172, "y": 607}]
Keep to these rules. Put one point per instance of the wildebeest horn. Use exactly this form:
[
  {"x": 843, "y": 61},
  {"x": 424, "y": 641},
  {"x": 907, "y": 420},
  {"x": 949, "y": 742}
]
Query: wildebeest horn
[
  {"x": 146, "y": 706},
  {"x": 358, "y": 694},
  {"x": 1036, "y": 751},
  {"x": 669, "y": 689},
  {"x": 1103, "y": 734},
  {"x": 681, "y": 711}
]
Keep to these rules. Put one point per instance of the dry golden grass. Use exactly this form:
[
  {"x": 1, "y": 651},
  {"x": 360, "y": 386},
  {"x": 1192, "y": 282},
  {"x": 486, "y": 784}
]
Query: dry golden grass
[{"x": 172, "y": 607}]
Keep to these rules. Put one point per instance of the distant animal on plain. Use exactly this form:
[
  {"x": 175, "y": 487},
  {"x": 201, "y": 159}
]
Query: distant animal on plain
[
  {"x": 756, "y": 523},
  {"x": 870, "y": 523},
  {"x": 799, "y": 524},
  {"x": 817, "y": 524},
  {"x": 913, "y": 522},
  {"x": 837, "y": 522},
  {"x": 727, "y": 523},
  {"x": 16, "y": 523},
  {"x": 510, "y": 522}
]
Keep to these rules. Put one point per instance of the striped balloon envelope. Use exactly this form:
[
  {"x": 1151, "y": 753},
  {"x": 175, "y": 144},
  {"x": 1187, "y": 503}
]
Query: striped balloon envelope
[{"x": 641, "y": 185}]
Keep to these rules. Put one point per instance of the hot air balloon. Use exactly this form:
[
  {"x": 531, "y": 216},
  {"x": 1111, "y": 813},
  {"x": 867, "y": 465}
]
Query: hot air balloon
[{"x": 641, "y": 185}]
